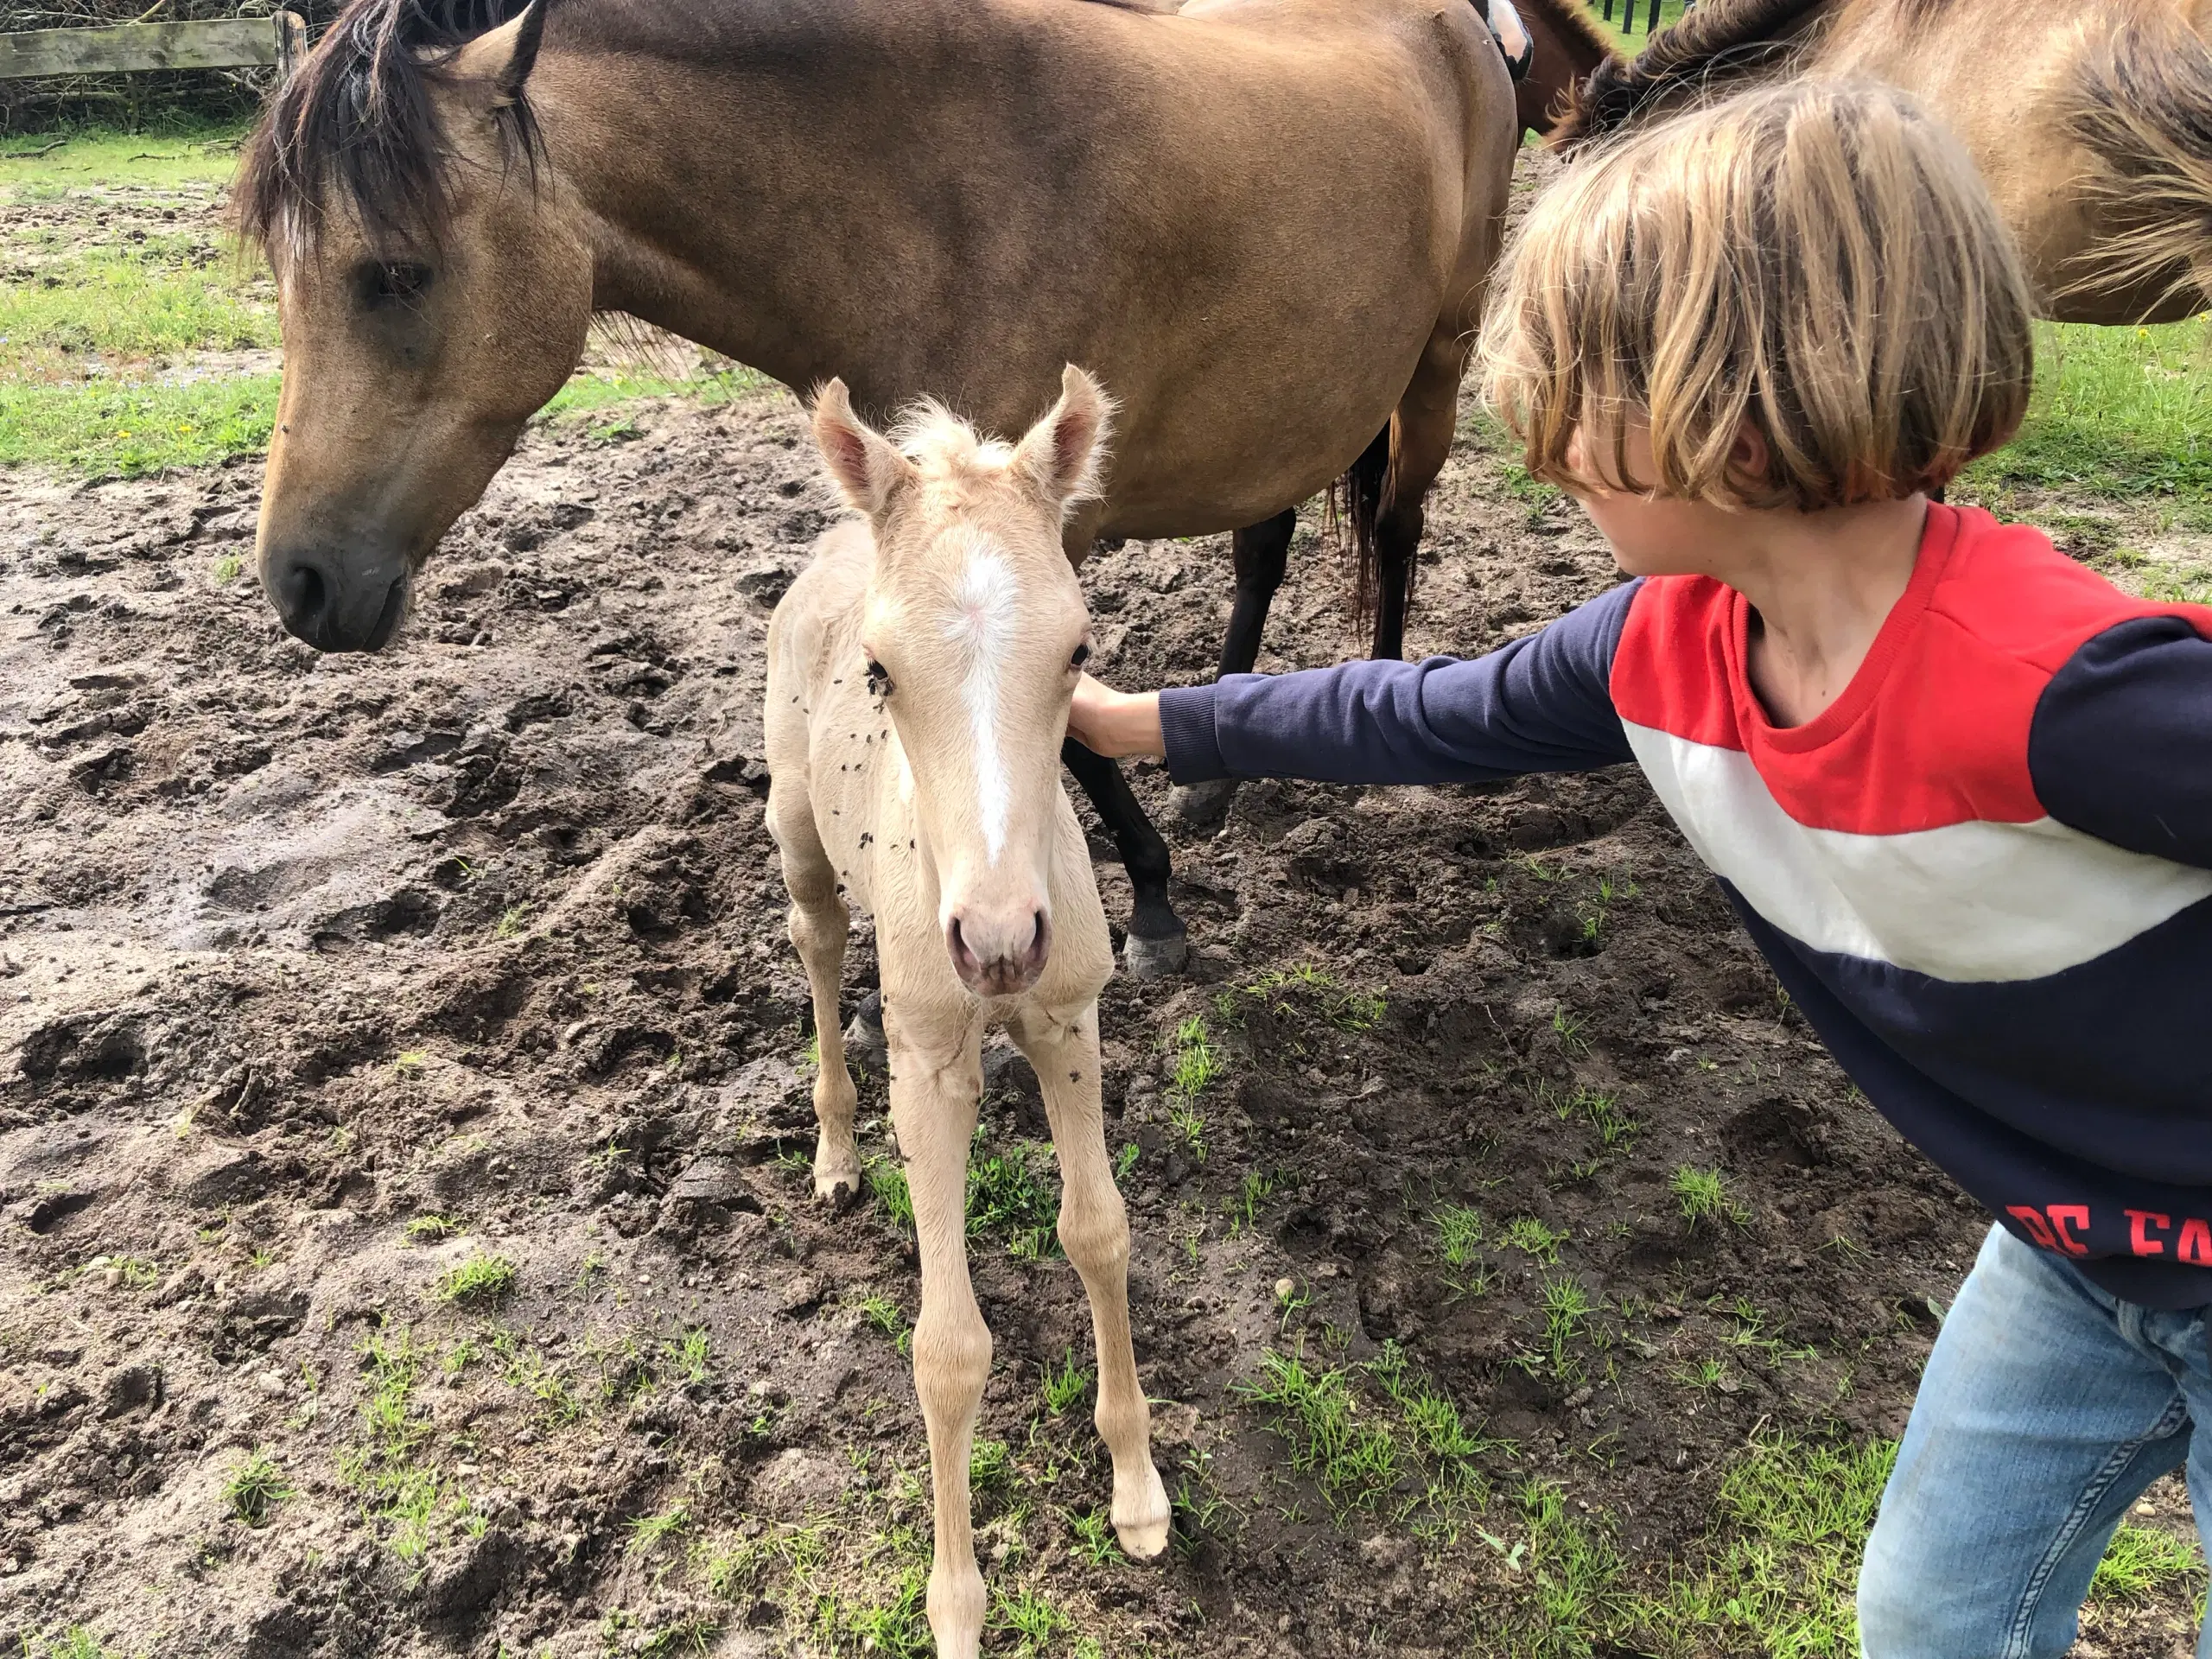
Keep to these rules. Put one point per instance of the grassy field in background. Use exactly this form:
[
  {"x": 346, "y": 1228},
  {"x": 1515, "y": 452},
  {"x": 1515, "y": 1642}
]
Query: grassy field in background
[{"x": 167, "y": 155}]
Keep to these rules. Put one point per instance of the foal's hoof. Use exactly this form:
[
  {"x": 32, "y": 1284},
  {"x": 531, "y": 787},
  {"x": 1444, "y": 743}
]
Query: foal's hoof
[
  {"x": 1157, "y": 958},
  {"x": 838, "y": 1186},
  {"x": 1142, "y": 1517},
  {"x": 1203, "y": 806},
  {"x": 864, "y": 1039}
]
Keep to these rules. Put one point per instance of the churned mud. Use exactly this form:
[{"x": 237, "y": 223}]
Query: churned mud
[{"x": 404, "y": 1117}]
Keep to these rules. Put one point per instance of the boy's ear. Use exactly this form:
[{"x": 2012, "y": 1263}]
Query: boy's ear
[
  {"x": 1064, "y": 453},
  {"x": 868, "y": 470},
  {"x": 1750, "y": 455}
]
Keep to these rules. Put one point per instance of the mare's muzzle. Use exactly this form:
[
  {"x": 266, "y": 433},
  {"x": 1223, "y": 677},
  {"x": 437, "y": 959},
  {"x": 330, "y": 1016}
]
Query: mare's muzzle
[{"x": 335, "y": 604}]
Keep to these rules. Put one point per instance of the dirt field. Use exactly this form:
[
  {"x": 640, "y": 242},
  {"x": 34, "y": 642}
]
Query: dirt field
[{"x": 404, "y": 1117}]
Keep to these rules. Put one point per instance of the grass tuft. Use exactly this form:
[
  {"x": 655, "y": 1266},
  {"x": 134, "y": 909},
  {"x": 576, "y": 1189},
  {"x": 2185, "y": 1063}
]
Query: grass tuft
[
  {"x": 2140, "y": 1560},
  {"x": 256, "y": 1489},
  {"x": 1703, "y": 1196},
  {"x": 480, "y": 1281}
]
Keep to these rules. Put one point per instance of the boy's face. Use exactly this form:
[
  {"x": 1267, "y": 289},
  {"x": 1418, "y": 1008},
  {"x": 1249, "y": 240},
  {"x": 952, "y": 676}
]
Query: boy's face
[{"x": 1651, "y": 535}]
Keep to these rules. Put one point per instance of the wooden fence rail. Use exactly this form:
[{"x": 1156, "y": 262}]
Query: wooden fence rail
[{"x": 228, "y": 43}]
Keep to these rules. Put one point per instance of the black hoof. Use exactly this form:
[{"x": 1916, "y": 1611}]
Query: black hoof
[{"x": 1157, "y": 957}]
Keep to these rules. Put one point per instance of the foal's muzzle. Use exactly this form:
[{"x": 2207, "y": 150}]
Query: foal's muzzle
[{"x": 998, "y": 956}]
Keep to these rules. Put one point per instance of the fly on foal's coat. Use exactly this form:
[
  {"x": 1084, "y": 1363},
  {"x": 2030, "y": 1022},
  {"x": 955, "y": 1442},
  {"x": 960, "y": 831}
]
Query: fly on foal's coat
[{"x": 919, "y": 673}]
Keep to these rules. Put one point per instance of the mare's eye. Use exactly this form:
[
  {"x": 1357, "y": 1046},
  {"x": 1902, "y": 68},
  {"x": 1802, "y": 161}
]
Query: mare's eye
[
  {"x": 1082, "y": 656},
  {"x": 381, "y": 284},
  {"x": 879, "y": 678}
]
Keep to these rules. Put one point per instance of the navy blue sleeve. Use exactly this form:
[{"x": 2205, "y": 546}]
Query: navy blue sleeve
[
  {"x": 2121, "y": 747},
  {"x": 1542, "y": 703}
]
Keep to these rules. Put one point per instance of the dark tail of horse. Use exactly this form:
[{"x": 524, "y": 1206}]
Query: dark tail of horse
[
  {"x": 1356, "y": 502},
  {"x": 2142, "y": 107}
]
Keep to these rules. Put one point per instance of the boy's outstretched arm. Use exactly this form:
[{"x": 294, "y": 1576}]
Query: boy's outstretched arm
[
  {"x": 2121, "y": 747},
  {"x": 1540, "y": 705}
]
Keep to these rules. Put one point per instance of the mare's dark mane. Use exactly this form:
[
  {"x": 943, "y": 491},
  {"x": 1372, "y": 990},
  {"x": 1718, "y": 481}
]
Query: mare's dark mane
[
  {"x": 357, "y": 121},
  {"x": 1719, "y": 41}
]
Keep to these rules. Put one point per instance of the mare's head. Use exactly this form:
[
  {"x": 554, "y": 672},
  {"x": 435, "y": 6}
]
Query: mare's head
[
  {"x": 435, "y": 285},
  {"x": 975, "y": 634}
]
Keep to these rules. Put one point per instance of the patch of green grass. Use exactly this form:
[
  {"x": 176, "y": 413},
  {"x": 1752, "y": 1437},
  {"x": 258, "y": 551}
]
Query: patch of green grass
[
  {"x": 431, "y": 1228},
  {"x": 1575, "y": 1579},
  {"x": 588, "y": 395},
  {"x": 1065, "y": 1387},
  {"x": 401, "y": 1490},
  {"x": 170, "y": 150},
  {"x": 887, "y": 1184},
  {"x": 77, "y": 1642},
  {"x": 157, "y": 299},
  {"x": 1460, "y": 1233},
  {"x": 2116, "y": 412},
  {"x": 256, "y": 1489},
  {"x": 2140, "y": 1560},
  {"x": 1377, "y": 1439},
  {"x": 1196, "y": 1066},
  {"x": 131, "y": 428},
  {"x": 650, "y": 1531},
  {"x": 1703, "y": 1196},
  {"x": 1012, "y": 1194},
  {"x": 1302, "y": 984},
  {"x": 692, "y": 1355},
  {"x": 1032, "y": 1621},
  {"x": 1780, "y": 1570},
  {"x": 1534, "y": 1239},
  {"x": 889, "y": 1318},
  {"x": 480, "y": 1281}
]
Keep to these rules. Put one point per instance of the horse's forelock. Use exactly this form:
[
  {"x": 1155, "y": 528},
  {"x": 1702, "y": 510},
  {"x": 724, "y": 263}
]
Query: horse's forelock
[{"x": 356, "y": 126}]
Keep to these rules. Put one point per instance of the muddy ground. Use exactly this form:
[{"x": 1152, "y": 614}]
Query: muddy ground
[{"x": 328, "y": 985}]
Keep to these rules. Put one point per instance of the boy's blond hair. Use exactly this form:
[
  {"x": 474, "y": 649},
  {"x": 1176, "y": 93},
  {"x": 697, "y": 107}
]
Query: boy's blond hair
[{"x": 1820, "y": 259}]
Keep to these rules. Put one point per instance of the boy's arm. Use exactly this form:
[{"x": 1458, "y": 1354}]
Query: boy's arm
[
  {"x": 2121, "y": 747},
  {"x": 1540, "y": 705}
]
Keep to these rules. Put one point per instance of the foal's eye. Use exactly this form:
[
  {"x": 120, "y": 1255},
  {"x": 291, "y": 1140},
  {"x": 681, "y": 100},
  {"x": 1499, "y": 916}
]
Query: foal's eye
[
  {"x": 381, "y": 284},
  {"x": 879, "y": 678},
  {"x": 1082, "y": 656}
]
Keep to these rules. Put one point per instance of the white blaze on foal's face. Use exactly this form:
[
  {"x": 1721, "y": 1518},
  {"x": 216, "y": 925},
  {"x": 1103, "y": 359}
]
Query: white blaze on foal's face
[
  {"x": 975, "y": 633},
  {"x": 982, "y": 631}
]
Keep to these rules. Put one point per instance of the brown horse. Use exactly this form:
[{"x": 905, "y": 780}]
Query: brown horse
[
  {"x": 2091, "y": 122},
  {"x": 1268, "y": 224}
]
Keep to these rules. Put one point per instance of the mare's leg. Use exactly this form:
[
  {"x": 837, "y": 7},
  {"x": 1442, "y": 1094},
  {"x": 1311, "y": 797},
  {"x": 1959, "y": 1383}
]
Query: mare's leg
[
  {"x": 1260, "y": 553},
  {"x": 936, "y": 1080},
  {"x": 1422, "y": 429},
  {"x": 1158, "y": 941},
  {"x": 1094, "y": 1232},
  {"x": 864, "y": 1039},
  {"x": 819, "y": 923}
]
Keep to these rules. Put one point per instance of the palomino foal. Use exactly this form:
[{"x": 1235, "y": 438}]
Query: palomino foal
[{"x": 919, "y": 672}]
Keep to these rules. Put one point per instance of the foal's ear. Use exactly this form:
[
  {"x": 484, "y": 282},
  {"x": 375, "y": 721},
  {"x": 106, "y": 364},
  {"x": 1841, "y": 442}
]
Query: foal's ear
[
  {"x": 501, "y": 58},
  {"x": 1065, "y": 451},
  {"x": 868, "y": 469}
]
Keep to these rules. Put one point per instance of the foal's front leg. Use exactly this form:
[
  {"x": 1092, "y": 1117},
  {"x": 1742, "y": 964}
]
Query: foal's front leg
[
  {"x": 1094, "y": 1232},
  {"x": 818, "y": 924},
  {"x": 936, "y": 1080}
]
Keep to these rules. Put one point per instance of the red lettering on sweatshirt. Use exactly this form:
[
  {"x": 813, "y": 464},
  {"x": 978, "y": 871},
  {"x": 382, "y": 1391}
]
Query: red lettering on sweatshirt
[
  {"x": 2139, "y": 1222},
  {"x": 2196, "y": 1243}
]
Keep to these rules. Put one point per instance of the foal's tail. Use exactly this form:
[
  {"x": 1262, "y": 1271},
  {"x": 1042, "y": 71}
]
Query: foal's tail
[
  {"x": 2141, "y": 105},
  {"x": 1356, "y": 502}
]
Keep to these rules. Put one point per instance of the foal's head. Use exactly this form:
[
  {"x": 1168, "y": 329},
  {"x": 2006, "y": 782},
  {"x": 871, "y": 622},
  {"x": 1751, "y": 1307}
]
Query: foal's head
[{"x": 975, "y": 633}]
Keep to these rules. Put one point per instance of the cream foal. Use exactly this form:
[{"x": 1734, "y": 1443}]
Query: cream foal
[{"x": 919, "y": 672}]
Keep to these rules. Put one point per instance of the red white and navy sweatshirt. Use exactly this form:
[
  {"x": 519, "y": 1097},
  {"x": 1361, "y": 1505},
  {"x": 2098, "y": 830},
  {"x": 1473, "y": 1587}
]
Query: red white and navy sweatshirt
[{"x": 1984, "y": 872}]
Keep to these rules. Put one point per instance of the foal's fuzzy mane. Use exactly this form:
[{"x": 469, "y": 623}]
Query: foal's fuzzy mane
[
  {"x": 941, "y": 443},
  {"x": 1718, "y": 42}
]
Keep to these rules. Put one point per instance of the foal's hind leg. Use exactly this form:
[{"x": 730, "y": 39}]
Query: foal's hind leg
[
  {"x": 1421, "y": 431},
  {"x": 1260, "y": 552},
  {"x": 1094, "y": 1232},
  {"x": 818, "y": 924}
]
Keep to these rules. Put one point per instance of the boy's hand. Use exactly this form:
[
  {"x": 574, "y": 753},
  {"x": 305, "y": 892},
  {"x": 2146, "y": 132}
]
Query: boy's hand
[{"x": 1116, "y": 723}]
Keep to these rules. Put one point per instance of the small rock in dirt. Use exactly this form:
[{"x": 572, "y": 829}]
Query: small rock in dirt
[
  {"x": 1384, "y": 1552},
  {"x": 271, "y": 1384},
  {"x": 1580, "y": 1397},
  {"x": 802, "y": 1296},
  {"x": 1174, "y": 1423}
]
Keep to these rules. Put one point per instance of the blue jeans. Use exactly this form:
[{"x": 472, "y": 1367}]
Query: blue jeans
[{"x": 2046, "y": 1409}]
